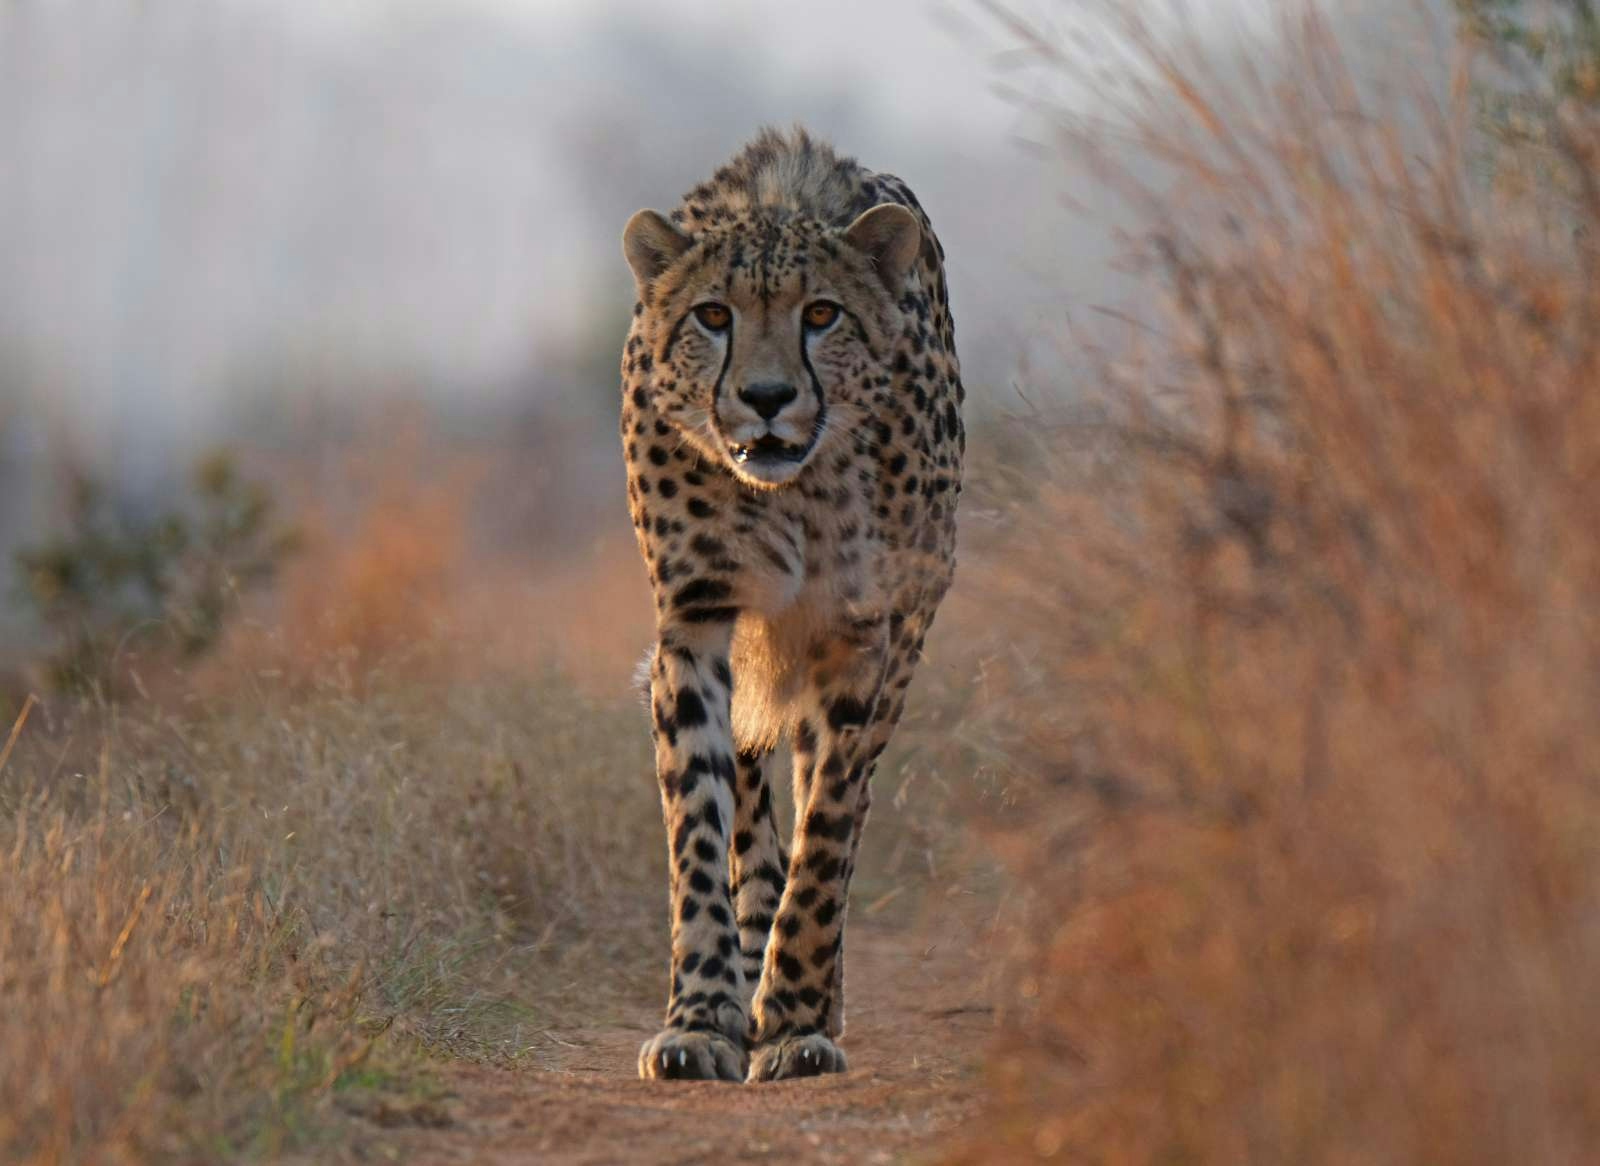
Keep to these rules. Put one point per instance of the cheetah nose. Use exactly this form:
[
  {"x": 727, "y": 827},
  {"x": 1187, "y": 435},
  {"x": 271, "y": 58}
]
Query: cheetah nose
[{"x": 767, "y": 397}]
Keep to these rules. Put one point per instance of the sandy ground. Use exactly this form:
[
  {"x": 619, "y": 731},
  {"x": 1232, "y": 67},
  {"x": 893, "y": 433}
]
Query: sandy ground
[{"x": 918, "y": 1023}]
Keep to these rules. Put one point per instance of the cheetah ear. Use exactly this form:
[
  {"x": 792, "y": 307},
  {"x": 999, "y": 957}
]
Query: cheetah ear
[
  {"x": 650, "y": 244},
  {"x": 890, "y": 236}
]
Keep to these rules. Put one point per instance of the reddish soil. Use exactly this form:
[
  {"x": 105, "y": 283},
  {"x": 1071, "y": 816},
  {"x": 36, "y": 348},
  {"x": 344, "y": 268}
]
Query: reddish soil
[{"x": 918, "y": 1025}]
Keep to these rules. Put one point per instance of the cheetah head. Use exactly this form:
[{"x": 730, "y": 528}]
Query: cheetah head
[{"x": 766, "y": 336}]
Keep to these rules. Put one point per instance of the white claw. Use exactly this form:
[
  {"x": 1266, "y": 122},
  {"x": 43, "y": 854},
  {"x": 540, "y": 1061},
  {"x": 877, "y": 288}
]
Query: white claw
[{"x": 683, "y": 1057}]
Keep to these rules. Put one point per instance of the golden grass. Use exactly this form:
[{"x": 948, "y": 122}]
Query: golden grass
[
  {"x": 288, "y": 885},
  {"x": 207, "y": 919},
  {"x": 1302, "y": 699},
  {"x": 392, "y": 575},
  {"x": 1285, "y": 725}
]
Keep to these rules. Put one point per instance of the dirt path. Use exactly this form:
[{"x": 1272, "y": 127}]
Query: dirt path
[{"x": 918, "y": 1025}]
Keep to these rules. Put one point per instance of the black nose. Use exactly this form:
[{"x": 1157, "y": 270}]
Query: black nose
[{"x": 767, "y": 398}]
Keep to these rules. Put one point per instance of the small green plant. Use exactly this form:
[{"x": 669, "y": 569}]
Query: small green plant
[{"x": 111, "y": 577}]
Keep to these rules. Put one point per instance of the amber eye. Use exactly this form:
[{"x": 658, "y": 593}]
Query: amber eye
[
  {"x": 714, "y": 316},
  {"x": 821, "y": 314}
]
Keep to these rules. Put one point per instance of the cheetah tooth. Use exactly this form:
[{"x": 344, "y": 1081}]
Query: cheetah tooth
[{"x": 683, "y": 1057}]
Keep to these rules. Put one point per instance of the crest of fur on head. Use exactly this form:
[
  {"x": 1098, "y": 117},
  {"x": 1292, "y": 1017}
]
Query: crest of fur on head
[
  {"x": 888, "y": 235},
  {"x": 795, "y": 175}
]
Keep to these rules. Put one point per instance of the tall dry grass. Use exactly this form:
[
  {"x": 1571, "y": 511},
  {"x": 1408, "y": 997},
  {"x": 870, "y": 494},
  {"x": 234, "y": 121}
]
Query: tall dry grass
[
  {"x": 224, "y": 926},
  {"x": 1303, "y": 698},
  {"x": 404, "y": 815}
]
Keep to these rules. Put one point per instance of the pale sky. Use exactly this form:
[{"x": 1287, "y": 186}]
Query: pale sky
[
  {"x": 219, "y": 216},
  {"x": 210, "y": 195},
  {"x": 214, "y": 205}
]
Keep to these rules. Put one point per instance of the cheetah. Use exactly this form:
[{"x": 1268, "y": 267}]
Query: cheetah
[{"x": 791, "y": 425}]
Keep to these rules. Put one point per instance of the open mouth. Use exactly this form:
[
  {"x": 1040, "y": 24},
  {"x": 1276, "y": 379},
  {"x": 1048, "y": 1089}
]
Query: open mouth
[{"x": 770, "y": 450}]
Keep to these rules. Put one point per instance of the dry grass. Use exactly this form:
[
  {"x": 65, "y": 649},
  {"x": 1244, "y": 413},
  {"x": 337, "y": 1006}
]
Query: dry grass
[
  {"x": 1302, "y": 700},
  {"x": 207, "y": 918},
  {"x": 389, "y": 824},
  {"x": 1288, "y": 723},
  {"x": 225, "y": 928},
  {"x": 409, "y": 566}
]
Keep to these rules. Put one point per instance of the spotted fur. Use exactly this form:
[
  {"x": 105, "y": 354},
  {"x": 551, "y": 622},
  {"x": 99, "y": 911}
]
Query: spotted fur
[{"x": 793, "y": 476}]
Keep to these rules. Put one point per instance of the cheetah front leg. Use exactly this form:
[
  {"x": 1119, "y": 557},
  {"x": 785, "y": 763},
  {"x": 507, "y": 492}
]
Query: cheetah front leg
[
  {"x": 800, "y": 992},
  {"x": 758, "y": 865},
  {"x": 905, "y": 650},
  {"x": 706, "y": 1020}
]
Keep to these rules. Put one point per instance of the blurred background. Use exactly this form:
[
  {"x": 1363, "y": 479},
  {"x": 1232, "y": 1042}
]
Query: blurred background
[
  {"x": 289, "y": 227},
  {"x": 286, "y": 226},
  {"x": 1245, "y": 808}
]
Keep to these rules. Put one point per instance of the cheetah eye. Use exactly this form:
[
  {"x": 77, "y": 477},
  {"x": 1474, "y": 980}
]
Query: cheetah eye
[
  {"x": 716, "y": 317},
  {"x": 820, "y": 314}
]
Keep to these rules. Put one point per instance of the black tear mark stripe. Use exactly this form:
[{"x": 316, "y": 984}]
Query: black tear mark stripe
[
  {"x": 727, "y": 358},
  {"x": 816, "y": 388}
]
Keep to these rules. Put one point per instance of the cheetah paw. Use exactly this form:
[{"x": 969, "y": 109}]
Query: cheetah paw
[
  {"x": 810, "y": 1055},
  {"x": 692, "y": 1056}
]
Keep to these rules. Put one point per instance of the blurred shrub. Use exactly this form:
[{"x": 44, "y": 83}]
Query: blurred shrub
[
  {"x": 1553, "y": 45},
  {"x": 111, "y": 576},
  {"x": 1305, "y": 655},
  {"x": 1537, "y": 60}
]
